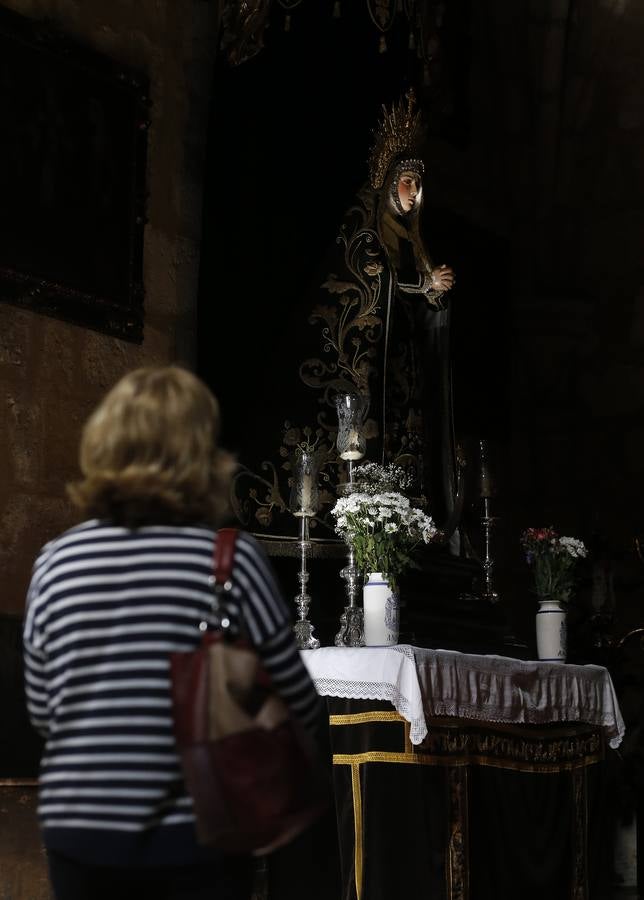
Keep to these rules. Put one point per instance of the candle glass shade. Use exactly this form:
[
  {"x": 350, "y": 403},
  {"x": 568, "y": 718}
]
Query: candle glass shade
[
  {"x": 351, "y": 441},
  {"x": 486, "y": 482},
  {"x": 305, "y": 494}
]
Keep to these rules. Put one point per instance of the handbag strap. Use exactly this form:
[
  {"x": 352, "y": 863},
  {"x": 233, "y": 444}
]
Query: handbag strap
[
  {"x": 223, "y": 555},
  {"x": 221, "y": 579}
]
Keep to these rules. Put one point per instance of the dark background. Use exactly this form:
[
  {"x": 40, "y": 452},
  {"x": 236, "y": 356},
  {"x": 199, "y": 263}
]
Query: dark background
[{"x": 72, "y": 179}]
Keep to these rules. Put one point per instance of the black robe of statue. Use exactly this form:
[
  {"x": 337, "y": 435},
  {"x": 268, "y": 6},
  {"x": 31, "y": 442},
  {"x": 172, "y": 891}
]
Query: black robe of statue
[{"x": 381, "y": 334}]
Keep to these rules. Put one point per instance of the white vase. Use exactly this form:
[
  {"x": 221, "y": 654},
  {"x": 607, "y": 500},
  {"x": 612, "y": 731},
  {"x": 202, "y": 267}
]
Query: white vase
[
  {"x": 381, "y": 612},
  {"x": 551, "y": 631}
]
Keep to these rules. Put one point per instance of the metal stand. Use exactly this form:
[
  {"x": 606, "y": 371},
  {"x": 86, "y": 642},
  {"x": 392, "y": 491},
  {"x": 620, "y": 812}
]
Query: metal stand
[
  {"x": 351, "y": 633},
  {"x": 487, "y": 521},
  {"x": 303, "y": 628},
  {"x": 487, "y": 491}
]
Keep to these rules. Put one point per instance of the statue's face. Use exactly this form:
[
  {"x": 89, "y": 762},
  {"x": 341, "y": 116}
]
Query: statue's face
[{"x": 409, "y": 190}]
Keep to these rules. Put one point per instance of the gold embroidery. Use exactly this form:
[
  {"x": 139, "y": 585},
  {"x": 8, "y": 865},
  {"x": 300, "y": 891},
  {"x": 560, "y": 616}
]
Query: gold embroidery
[
  {"x": 360, "y": 718},
  {"x": 357, "y": 825},
  {"x": 350, "y": 759},
  {"x": 425, "y": 759},
  {"x": 409, "y": 748},
  {"x": 516, "y": 747}
]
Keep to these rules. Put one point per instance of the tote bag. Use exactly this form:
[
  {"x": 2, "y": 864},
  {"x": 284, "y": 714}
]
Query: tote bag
[{"x": 254, "y": 774}]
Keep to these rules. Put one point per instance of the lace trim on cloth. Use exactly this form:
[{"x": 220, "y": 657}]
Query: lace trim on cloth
[
  {"x": 421, "y": 683},
  {"x": 364, "y": 691}
]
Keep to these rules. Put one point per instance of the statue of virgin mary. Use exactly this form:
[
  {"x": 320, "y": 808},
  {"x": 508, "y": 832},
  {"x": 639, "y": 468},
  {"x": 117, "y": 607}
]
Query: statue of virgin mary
[{"x": 384, "y": 318}]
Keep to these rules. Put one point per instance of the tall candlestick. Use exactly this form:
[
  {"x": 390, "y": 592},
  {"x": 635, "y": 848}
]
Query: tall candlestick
[
  {"x": 486, "y": 492},
  {"x": 351, "y": 444},
  {"x": 304, "y": 503},
  {"x": 304, "y": 637}
]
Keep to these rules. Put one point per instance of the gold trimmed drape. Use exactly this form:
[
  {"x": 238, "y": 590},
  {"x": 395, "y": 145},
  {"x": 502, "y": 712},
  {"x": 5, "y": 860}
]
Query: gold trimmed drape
[{"x": 476, "y": 811}]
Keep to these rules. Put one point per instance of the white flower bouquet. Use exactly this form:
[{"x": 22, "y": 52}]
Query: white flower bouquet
[
  {"x": 383, "y": 527},
  {"x": 372, "y": 478}
]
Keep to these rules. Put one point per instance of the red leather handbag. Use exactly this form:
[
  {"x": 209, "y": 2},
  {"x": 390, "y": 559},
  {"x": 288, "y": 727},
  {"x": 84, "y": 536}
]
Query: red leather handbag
[{"x": 254, "y": 773}]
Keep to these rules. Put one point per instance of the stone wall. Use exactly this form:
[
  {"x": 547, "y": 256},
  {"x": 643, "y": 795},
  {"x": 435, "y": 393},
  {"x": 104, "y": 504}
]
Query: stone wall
[{"x": 52, "y": 373}]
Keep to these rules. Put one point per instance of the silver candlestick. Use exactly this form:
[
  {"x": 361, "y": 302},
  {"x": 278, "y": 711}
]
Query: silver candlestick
[
  {"x": 304, "y": 503},
  {"x": 351, "y": 633},
  {"x": 487, "y": 523},
  {"x": 303, "y": 629}
]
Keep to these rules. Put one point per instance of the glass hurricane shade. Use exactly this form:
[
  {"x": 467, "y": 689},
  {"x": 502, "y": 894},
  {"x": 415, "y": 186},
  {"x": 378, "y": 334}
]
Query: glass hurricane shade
[
  {"x": 351, "y": 441},
  {"x": 305, "y": 495}
]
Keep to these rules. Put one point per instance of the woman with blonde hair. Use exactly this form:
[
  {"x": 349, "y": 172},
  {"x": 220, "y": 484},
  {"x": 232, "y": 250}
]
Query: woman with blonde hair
[{"x": 109, "y": 600}]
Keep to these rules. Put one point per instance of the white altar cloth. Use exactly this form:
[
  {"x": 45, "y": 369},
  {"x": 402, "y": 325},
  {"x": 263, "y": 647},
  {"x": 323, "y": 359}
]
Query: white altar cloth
[{"x": 421, "y": 683}]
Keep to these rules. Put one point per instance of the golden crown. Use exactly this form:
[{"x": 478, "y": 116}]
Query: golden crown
[{"x": 398, "y": 132}]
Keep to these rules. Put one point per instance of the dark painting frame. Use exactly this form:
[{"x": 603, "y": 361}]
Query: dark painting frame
[{"x": 73, "y": 148}]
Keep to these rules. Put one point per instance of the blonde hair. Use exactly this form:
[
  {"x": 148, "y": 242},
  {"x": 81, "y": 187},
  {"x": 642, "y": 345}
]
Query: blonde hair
[{"x": 149, "y": 452}]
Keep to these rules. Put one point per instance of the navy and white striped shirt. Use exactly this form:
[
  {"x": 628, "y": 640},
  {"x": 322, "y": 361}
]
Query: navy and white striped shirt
[{"x": 106, "y": 607}]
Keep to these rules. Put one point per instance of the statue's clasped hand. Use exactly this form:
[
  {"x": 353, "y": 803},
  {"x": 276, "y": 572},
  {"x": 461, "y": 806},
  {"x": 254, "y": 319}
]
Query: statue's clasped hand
[{"x": 442, "y": 278}]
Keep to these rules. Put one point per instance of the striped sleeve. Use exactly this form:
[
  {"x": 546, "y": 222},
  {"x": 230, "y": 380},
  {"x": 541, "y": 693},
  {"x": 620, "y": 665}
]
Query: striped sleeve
[
  {"x": 35, "y": 682},
  {"x": 270, "y": 627}
]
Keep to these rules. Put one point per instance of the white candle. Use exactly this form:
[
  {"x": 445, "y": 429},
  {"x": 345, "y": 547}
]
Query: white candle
[
  {"x": 353, "y": 450},
  {"x": 307, "y": 493}
]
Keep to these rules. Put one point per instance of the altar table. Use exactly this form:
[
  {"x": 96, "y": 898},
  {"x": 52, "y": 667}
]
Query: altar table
[{"x": 463, "y": 777}]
